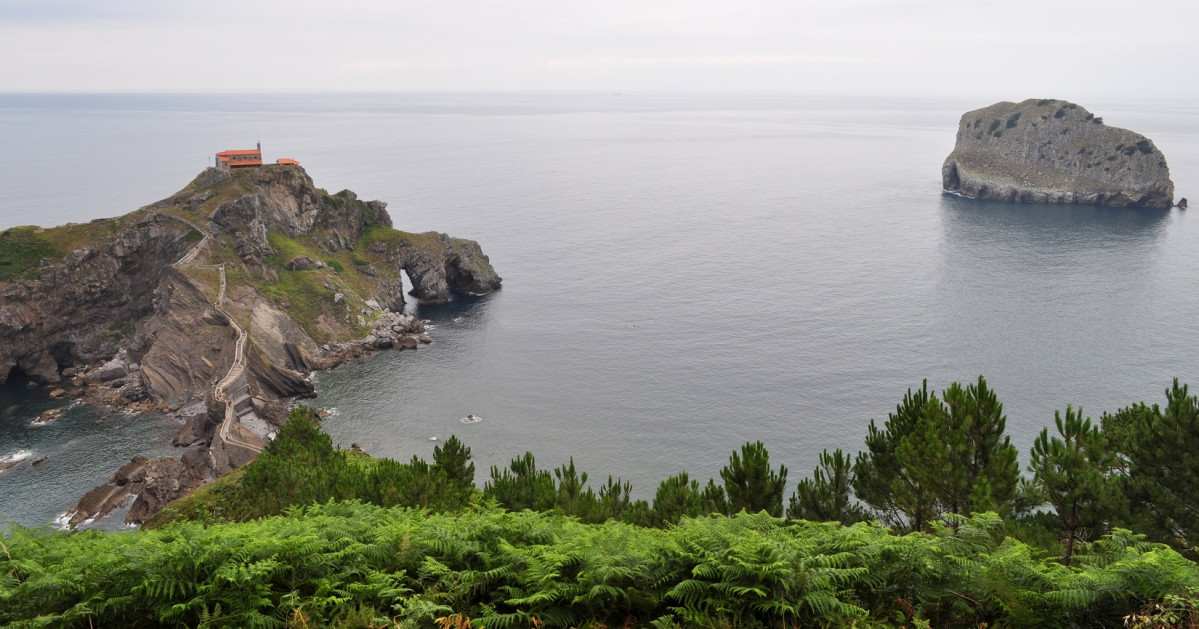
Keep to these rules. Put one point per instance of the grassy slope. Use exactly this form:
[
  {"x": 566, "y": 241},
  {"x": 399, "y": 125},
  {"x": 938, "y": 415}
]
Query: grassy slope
[{"x": 23, "y": 248}]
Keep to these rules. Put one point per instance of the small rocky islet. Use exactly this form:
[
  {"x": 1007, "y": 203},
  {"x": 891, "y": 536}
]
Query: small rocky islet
[
  {"x": 1053, "y": 151},
  {"x": 144, "y": 311}
]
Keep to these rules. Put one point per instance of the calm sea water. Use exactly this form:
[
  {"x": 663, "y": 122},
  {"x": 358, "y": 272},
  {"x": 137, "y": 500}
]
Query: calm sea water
[{"x": 682, "y": 273}]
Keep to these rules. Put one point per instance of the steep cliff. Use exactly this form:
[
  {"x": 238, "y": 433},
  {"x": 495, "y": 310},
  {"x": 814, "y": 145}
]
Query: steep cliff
[
  {"x": 248, "y": 278},
  {"x": 75, "y": 305},
  {"x": 1052, "y": 151},
  {"x": 306, "y": 270}
]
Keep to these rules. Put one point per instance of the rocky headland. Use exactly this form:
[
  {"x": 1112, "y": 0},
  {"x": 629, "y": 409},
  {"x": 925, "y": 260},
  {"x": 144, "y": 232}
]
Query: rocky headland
[
  {"x": 1052, "y": 151},
  {"x": 214, "y": 304}
]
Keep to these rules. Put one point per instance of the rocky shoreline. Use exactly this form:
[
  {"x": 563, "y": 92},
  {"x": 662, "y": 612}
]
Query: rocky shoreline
[{"x": 147, "y": 312}]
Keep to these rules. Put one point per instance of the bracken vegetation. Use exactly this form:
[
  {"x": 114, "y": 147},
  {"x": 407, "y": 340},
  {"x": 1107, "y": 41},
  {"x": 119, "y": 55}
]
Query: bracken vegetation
[{"x": 930, "y": 526}]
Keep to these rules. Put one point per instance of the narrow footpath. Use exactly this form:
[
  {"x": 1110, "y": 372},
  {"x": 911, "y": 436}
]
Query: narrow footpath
[{"x": 227, "y": 431}]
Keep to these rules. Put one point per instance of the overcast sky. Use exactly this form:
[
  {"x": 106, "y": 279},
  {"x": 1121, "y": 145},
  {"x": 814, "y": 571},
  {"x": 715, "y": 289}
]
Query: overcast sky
[{"x": 1008, "y": 48}]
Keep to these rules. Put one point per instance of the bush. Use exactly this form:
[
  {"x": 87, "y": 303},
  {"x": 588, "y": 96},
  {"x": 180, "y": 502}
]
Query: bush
[{"x": 336, "y": 266}]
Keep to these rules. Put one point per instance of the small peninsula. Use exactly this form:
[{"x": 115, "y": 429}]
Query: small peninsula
[
  {"x": 214, "y": 304},
  {"x": 1053, "y": 151}
]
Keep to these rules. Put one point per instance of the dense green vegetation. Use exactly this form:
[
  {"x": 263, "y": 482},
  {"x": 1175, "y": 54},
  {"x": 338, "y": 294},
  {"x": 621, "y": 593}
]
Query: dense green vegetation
[
  {"x": 309, "y": 535},
  {"x": 356, "y": 565},
  {"x": 21, "y": 248},
  {"x": 302, "y": 467}
]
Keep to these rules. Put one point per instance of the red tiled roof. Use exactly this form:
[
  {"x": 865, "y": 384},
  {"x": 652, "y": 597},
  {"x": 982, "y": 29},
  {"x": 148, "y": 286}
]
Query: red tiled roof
[
  {"x": 240, "y": 152},
  {"x": 287, "y": 161}
]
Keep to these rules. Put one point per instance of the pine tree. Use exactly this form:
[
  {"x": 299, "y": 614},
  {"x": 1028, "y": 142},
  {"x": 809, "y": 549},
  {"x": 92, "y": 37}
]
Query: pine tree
[
  {"x": 992, "y": 462},
  {"x": 612, "y": 501},
  {"x": 826, "y": 496},
  {"x": 886, "y": 482},
  {"x": 522, "y": 485},
  {"x": 570, "y": 495},
  {"x": 678, "y": 497},
  {"x": 714, "y": 497},
  {"x": 751, "y": 484},
  {"x": 452, "y": 461},
  {"x": 1161, "y": 473},
  {"x": 937, "y": 456},
  {"x": 1071, "y": 472}
]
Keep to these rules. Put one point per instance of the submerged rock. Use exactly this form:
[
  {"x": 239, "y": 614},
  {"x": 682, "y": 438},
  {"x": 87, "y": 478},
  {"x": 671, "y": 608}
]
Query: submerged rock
[
  {"x": 1052, "y": 151},
  {"x": 49, "y": 415}
]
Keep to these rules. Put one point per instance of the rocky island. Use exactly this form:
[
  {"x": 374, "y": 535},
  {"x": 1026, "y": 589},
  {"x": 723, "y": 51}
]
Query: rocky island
[
  {"x": 1052, "y": 151},
  {"x": 215, "y": 303}
]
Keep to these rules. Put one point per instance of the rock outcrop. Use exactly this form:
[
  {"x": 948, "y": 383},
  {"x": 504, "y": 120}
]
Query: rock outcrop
[
  {"x": 146, "y": 310},
  {"x": 1052, "y": 151},
  {"x": 145, "y": 485},
  {"x": 109, "y": 305},
  {"x": 79, "y": 310}
]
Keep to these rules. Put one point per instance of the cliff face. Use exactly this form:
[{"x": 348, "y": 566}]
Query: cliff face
[
  {"x": 1051, "y": 151},
  {"x": 249, "y": 278},
  {"x": 308, "y": 274},
  {"x": 78, "y": 310}
]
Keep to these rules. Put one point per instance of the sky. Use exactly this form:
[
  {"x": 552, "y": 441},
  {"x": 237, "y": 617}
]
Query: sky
[{"x": 1038, "y": 48}]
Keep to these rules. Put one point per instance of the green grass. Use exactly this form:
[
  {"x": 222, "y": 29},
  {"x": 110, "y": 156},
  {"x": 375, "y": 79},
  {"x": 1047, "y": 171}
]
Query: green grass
[
  {"x": 287, "y": 248},
  {"x": 22, "y": 248},
  {"x": 389, "y": 236},
  {"x": 67, "y": 238},
  {"x": 306, "y": 297}
]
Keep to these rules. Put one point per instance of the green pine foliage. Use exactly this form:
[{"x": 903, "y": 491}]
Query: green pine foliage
[
  {"x": 1072, "y": 472},
  {"x": 827, "y": 496},
  {"x": 751, "y": 484},
  {"x": 1159, "y": 473},
  {"x": 939, "y": 456},
  {"x": 678, "y": 497}
]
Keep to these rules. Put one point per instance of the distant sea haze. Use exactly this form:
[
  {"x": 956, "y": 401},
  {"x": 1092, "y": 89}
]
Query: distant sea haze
[{"x": 682, "y": 272}]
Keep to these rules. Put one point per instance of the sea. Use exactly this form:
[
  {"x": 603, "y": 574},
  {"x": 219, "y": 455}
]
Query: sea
[{"x": 683, "y": 272}]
